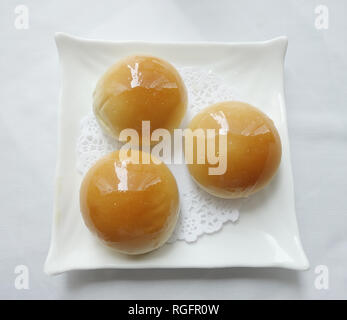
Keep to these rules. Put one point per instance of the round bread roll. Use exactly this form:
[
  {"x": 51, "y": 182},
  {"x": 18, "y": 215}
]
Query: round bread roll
[
  {"x": 140, "y": 88},
  {"x": 253, "y": 151},
  {"x": 132, "y": 208}
]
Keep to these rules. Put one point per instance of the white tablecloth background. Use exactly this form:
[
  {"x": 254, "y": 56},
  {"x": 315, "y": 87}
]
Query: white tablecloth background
[{"x": 316, "y": 91}]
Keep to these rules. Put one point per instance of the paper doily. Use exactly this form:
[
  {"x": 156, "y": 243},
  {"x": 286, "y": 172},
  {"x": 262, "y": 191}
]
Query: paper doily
[{"x": 201, "y": 213}]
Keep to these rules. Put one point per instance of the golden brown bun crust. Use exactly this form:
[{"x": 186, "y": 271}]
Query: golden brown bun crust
[
  {"x": 140, "y": 88},
  {"x": 253, "y": 150},
  {"x": 130, "y": 207}
]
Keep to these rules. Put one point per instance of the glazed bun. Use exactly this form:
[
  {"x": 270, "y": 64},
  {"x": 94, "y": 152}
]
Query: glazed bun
[
  {"x": 132, "y": 208},
  {"x": 253, "y": 151},
  {"x": 140, "y": 88}
]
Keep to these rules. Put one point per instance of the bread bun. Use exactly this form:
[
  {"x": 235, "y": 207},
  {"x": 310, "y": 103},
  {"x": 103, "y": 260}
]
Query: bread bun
[
  {"x": 140, "y": 88},
  {"x": 253, "y": 149},
  {"x": 132, "y": 208}
]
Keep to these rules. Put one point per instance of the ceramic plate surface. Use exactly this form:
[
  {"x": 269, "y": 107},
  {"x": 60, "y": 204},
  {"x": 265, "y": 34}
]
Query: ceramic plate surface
[{"x": 266, "y": 234}]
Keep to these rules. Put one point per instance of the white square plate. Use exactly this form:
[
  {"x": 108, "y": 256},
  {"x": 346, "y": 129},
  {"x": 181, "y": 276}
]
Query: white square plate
[{"x": 266, "y": 234}]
